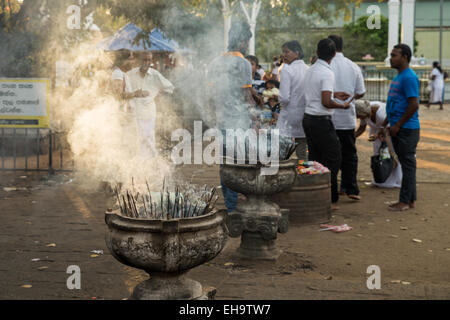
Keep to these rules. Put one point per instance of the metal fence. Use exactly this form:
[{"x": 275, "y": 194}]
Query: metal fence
[
  {"x": 34, "y": 149},
  {"x": 378, "y": 81}
]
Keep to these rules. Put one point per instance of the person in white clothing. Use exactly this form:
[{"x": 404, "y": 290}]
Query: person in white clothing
[
  {"x": 124, "y": 62},
  {"x": 349, "y": 80},
  {"x": 323, "y": 143},
  {"x": 143, "y": 84},
  {"x": 373, "y": 114},
  {"x": 291, "y": 96},
  {"x": 261, "y": 71},
  {"x": 437, "y": 86}
]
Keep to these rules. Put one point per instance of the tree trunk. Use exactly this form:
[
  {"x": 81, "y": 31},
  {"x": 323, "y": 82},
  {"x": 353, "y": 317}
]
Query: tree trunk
[
  {"x": 256, "y": 7},
  {"x": 226, "y": 10}
]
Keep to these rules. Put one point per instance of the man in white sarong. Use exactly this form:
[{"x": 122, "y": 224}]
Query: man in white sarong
[{"x": 143, "y": 84}]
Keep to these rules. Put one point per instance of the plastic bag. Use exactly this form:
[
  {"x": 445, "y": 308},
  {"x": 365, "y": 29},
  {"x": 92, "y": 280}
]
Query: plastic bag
[{"x": 382, "y": 164}]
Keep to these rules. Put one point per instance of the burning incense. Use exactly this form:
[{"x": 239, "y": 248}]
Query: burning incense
[{"x": 182, "y": 203}]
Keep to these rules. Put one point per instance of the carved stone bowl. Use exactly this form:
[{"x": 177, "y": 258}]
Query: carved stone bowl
[
  {"x": 166, "y": 250},
  {"x": 247, "y": 178}
]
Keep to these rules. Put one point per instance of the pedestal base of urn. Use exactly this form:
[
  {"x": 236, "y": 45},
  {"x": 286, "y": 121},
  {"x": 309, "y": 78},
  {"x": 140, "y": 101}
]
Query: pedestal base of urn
[
  {"x": 166, "y": 286},
  {"x": 255, "y": 247}
]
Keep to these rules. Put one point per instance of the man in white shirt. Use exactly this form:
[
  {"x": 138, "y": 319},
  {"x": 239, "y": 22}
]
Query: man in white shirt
[
  {"x": 143, "y": 84},
  {"x": 348, "y": 79},
  {"x": 323, "y": 143}
]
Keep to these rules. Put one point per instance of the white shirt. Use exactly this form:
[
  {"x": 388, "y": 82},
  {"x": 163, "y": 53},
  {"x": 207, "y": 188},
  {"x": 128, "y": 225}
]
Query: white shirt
[
  {"x": 379, "y": 118},
  {"x": 291, "y": 99},
  {"x": 318, "y": 78},
  {"x": 349, "y": 79},
  {"x": 153, "y": 82},
  {"x": 118, "y": 74},
  {"x": 261, "y": 72}
]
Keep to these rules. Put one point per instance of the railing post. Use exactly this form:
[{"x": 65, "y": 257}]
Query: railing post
[
  {"x": 3, "y": 148},
  {"x": 50, "y": 153}
]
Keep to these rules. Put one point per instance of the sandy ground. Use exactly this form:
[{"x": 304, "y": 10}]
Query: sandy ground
[{"x": 54, "y": 220}]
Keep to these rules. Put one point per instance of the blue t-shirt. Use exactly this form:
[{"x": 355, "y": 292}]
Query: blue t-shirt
[{"x": 405, "y": 85}]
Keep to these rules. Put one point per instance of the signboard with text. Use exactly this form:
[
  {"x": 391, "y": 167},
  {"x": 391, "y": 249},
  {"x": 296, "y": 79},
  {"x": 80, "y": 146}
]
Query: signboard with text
[{"x": 24, "y": 103}]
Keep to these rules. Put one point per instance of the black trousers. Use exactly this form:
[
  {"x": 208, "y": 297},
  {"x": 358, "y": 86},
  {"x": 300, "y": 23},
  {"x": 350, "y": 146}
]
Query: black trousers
[
  {"x": 405, "y": 145},
  {"x": 349, "y": 164},
  {"x": 324, "y": 146}
]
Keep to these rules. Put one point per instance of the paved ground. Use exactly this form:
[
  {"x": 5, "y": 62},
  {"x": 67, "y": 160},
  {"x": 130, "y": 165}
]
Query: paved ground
[{"x": 53, "y": 220}]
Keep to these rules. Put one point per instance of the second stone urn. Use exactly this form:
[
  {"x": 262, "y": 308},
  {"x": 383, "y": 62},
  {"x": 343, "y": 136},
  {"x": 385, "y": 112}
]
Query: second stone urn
[{"x": 258, "y": 220}]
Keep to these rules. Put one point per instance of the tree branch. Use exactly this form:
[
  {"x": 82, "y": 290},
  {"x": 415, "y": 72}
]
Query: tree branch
[{"x": 245, "y": 11}]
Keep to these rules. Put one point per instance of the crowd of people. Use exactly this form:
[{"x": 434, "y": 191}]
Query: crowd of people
[{"x": 315, "y": 105}]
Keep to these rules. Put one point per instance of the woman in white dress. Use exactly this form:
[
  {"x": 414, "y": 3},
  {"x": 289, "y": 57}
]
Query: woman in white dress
[
  {"x": 437, "y": 85},
  {"x": 373, "y": 114}
]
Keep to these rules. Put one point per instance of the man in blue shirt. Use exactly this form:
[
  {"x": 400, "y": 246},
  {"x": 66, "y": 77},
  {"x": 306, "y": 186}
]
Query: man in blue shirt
[{"x": 404, "y": 127}]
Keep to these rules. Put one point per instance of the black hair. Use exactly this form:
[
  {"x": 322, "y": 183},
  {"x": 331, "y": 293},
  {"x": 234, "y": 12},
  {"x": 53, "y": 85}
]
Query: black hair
[
  {"x": 436, "y": 65},
  {"x": 254, "y": 59},
  {"x": 338, "y": 41},
  {"x": 294, "y": 46},
  {"x": 406, "y": 50},
  {"x": 274, "y": 82},
  {"x": 326, "y": 49},
  {"x": 239, "y": 32},
  {"x": 120, "y": 57}
]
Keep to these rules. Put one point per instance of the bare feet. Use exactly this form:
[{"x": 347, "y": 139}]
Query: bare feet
[
  {"x": 334, "y": 207},
  {"x": 354, "y": 197},
  {"x": 399, "y": 206}
]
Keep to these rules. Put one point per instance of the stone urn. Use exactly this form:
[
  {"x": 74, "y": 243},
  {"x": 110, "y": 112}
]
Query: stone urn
[
  {"x": 167, "y": 250},
  {"x": 258, "y": 219}
]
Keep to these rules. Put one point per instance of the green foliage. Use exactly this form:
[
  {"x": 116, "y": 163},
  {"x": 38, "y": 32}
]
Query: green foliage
[
  {"x": 18, "y": 54},
  {"x": 35, "y": 31},
  {"x": 359, "y": 40},
  {"x": 108, "y": 24},
  {"x": 280, "y": 21}
]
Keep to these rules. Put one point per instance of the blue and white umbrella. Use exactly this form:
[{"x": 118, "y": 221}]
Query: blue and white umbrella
[{"x": 124, "y": 40}]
